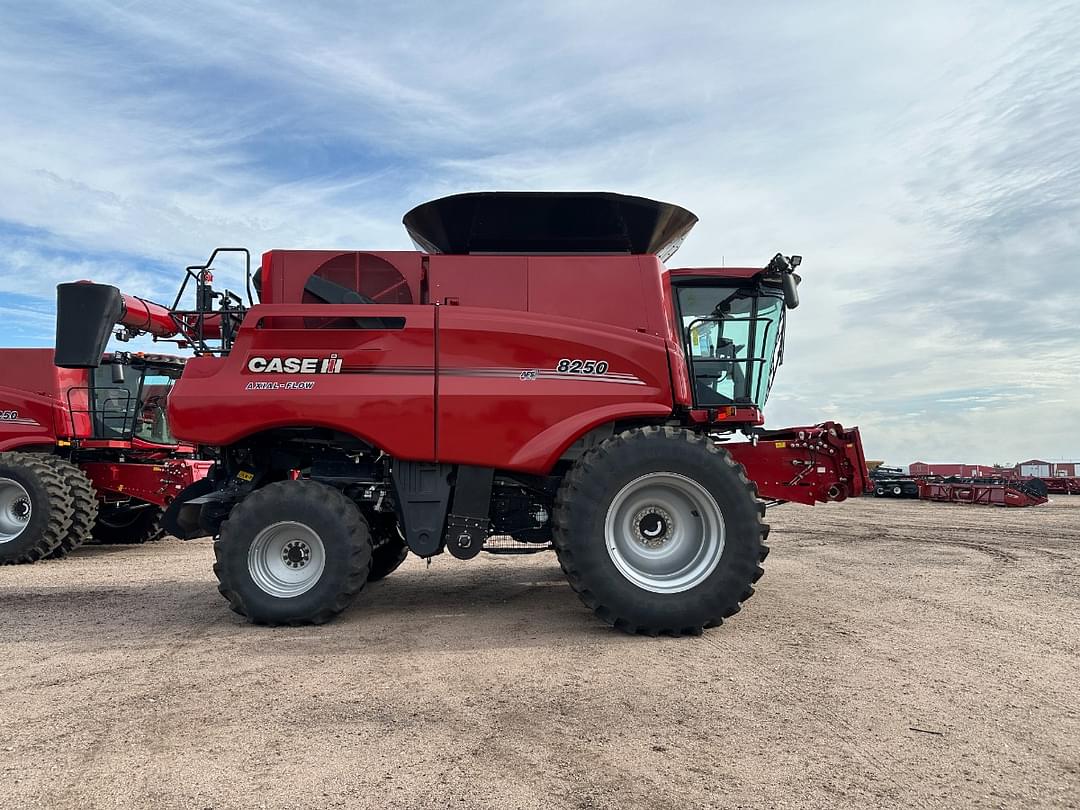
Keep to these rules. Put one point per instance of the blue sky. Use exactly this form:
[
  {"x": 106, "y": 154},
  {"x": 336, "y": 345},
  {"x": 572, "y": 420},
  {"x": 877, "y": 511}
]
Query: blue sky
[{"x": 923, "y": 157}]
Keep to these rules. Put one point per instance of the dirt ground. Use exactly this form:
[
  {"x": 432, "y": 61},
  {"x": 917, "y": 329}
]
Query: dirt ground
[{"x": 897, "y": 653}]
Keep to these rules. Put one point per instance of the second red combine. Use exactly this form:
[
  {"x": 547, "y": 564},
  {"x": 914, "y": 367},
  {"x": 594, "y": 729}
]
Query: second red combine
[
  {"x": 533, "y": 376},
  {"x": 86, "y": 453}
]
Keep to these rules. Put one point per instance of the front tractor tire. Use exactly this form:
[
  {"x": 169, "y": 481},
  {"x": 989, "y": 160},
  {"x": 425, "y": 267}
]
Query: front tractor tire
[
  {"x": 659, "y": 531},
  {"x": 293, "y": 552},
  {"x": 36, "y": 508}
]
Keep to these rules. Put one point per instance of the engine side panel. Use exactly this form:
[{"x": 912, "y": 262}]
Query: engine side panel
[{"x": 374, "y": 382}]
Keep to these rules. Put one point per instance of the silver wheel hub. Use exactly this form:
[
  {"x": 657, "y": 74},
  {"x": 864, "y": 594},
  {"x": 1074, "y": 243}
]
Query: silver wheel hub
[
  {"x": 286, "y": 559},
  {"x": 15, "y": 509},
  {"x": 664, "y": 532}
]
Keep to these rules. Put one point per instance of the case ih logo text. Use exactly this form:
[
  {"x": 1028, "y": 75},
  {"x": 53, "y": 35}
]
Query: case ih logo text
[{"x": 295, "y": 365}]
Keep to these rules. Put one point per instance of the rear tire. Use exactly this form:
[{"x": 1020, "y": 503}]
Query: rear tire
[
  {"x": 293, "y": 552},
  {"x": 129, "y": 525},
  {"x": 84, "y": 506},
  {"x": 35, "y": 508},
  {"x": 658, "y": 530}
]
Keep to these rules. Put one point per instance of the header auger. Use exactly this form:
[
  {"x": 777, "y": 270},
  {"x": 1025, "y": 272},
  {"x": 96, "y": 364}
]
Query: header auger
[{"x": 533, "y": 377}]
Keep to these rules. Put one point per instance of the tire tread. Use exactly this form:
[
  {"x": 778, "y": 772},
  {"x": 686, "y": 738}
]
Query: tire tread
[
  {"x": 84, "y": 506},
  {"x": 61, "y": 503},
  {"x": 249, "y": 509}
]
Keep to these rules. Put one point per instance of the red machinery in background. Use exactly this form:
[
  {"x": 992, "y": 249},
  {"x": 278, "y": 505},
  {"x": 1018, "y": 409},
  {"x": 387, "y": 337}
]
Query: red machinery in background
[
  {"x": 86, "y": 452},
  {"x": 998, "y": 493},
  {"x": 1061, "y": 485}
]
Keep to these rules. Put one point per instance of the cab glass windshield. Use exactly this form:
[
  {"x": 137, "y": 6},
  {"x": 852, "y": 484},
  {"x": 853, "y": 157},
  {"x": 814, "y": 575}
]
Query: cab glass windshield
[{"x": 733, "y": 341}]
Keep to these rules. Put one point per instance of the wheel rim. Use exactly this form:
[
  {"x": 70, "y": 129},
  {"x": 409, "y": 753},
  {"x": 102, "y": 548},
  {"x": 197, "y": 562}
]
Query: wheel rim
[
  {"x": 15, "y": 509},
  {"x": 286, "y": 559},
  {"x": 664, "y": 532}
]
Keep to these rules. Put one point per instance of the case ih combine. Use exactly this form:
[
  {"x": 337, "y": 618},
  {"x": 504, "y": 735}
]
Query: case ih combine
[
  {"x": 86, "y": 453},
  {"x": 533, "y": 372}
]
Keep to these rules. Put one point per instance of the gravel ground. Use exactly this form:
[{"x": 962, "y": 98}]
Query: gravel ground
[{"x": 897, "y": 653}]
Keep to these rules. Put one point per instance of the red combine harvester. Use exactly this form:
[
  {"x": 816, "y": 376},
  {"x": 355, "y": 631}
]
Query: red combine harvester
[
  {"x": 532, "y": 377},
  {"x": 86, "y": 453}
]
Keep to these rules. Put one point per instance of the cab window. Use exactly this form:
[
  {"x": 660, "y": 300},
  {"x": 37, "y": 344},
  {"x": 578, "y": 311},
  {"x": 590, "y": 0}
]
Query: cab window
[{"x": 732, "y": 338}]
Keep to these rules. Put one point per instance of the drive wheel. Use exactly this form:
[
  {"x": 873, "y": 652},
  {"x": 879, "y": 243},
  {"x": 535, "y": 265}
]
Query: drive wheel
[
  {"x": 128, "y": 525},
  {"x": 659, "y": 531},
  {"x": 897, "y": 491},
  {"x": 35, "y": 508},
  {"x": 293, "y": 552},
  {"x": 85, "y": 506}
]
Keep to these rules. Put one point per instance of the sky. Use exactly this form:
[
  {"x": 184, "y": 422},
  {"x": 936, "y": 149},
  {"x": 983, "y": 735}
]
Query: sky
[{"x": 923, "y": 157}]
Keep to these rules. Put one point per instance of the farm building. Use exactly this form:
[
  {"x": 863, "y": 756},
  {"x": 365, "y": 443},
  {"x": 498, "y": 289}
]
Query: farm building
[{"x": 1036, "y": 468}]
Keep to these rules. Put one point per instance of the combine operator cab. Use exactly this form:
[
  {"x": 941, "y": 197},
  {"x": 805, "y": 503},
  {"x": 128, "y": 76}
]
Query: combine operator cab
[
  {"x": 732, "y": 331},
  {"x": 533, "y": 376},
  {"x": 126, "y": 400}
]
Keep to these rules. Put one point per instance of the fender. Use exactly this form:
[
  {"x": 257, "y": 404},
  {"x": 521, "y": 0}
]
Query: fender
[
  {"x": 26, "y": 443},
  {"x": 541, "y": 453}
]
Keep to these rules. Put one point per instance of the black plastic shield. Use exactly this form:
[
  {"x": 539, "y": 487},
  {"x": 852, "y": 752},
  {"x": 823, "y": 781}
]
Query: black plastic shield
[{"x": 85, "y": 316}]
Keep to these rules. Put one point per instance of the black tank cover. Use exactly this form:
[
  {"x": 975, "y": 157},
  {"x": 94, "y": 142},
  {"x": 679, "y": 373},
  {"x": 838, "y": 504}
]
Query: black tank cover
[{"x": 530, "y": 222}]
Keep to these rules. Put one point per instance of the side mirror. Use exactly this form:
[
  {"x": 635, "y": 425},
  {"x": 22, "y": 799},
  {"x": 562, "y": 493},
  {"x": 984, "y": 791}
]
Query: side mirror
[
  {"x": 117, "y": 373},
  {"x": 791, "y": 290}
]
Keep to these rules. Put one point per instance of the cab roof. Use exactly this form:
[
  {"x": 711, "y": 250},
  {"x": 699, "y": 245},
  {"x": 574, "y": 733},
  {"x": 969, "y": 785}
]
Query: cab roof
[{"x": 716, "y": 272}]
